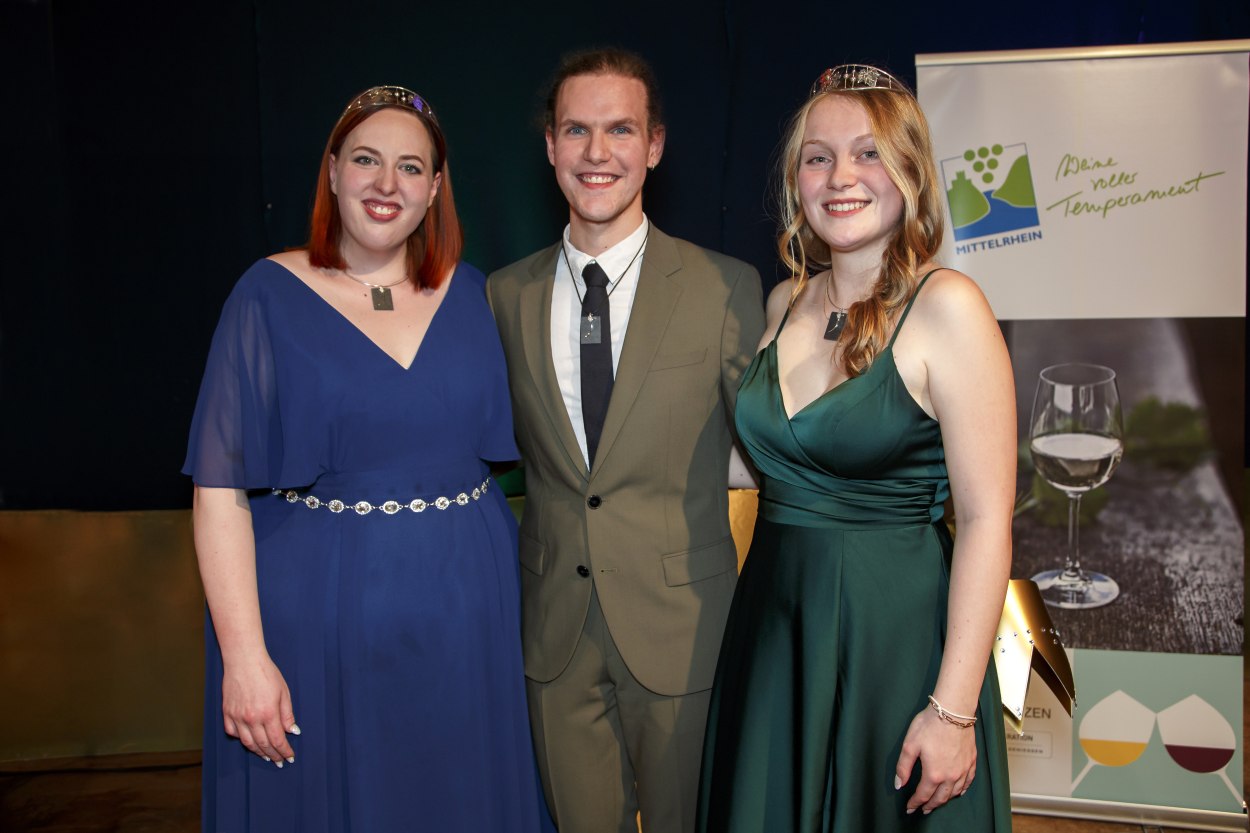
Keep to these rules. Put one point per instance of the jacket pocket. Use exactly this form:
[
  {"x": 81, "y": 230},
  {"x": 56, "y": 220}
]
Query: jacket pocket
[
  {"x": 700, "y": 563},
  {"x": 667, "y": 360},
  {"x": 532, "y": 554}
]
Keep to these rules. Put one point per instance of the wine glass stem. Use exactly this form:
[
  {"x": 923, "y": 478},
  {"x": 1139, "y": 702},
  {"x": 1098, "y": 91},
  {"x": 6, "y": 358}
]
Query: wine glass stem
[{"x": 1072, "y": 571}]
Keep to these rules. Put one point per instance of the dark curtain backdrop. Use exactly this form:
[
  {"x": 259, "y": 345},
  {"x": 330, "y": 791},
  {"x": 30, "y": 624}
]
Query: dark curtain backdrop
[{"x": 153, "y": 150}]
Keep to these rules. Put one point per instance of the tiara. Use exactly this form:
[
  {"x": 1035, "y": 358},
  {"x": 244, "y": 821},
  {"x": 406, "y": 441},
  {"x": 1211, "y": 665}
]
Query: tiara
[
  {"x": 856, "y": 77},
  {"x": 390, "y": 95}
]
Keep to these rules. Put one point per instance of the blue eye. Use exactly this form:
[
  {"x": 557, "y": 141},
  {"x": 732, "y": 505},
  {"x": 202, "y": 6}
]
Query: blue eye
[
  {"x": 576, "y": 130},
  {"x": 364, "y": 159}
]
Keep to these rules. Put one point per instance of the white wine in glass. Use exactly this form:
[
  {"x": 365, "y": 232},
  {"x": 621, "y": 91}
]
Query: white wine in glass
[{"x": 1077, "y": 439}]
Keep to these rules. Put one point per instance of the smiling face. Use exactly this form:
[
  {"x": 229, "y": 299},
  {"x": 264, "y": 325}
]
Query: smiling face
[
  {"x": 848, "y": 198},
  {"x": 384, "y": 181},
  {"x": 601, "y": 146}
]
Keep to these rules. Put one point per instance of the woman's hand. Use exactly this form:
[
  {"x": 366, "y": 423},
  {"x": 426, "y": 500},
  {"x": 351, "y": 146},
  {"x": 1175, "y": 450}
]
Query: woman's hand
[
  {"x": 741, "y": 475},
  {"x": 256, "y": 707},
  {"x": 255, "y": 701},
  {"x": 948, "y": 761}
]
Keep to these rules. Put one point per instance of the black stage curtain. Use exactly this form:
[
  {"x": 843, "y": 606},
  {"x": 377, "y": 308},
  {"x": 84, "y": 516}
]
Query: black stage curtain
[{"x": 154, "y": 150}]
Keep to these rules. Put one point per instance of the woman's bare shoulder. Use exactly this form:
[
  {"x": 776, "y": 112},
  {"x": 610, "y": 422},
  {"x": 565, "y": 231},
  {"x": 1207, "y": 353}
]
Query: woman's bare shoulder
[{"x": 948, "y": 298}]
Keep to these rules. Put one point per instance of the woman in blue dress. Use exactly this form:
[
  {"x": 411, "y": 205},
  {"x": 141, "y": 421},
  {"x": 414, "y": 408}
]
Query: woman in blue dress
[{"x": 364, "y": 662}]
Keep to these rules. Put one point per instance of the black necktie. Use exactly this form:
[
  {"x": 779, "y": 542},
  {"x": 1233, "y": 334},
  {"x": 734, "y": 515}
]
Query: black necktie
[{"x": 596, "y": 355}]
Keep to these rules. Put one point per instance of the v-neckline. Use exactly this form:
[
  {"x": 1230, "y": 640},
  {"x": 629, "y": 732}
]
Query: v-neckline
[
  {"x": 888, "y": 351},
  {"x": 352, "y": 324},
  {"x": 781, "y": 394}
]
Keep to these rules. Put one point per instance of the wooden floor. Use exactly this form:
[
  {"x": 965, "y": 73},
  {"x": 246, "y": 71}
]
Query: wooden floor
[
  {"x": 148, "y": 799},
  {"x": 161, "y": 794}
]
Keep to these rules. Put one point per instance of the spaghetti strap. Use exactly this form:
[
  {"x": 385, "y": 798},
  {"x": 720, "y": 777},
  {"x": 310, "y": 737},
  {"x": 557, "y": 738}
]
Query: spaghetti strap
[
  {"x": 907, "y": 308},
  {"x": 784, "y": 317}
]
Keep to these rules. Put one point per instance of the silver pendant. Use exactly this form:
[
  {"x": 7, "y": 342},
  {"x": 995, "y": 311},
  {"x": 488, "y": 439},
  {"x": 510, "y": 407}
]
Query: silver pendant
[
  {"x": 381, "y": 298},
  {"x": 592, "y": 329}
]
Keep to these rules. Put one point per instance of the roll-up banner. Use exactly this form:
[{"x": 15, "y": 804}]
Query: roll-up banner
[{"x": 1098, "y": 196}]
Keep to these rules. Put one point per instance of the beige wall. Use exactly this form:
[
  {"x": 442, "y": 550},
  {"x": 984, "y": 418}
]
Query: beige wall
[{"x": 101, "y": 634}]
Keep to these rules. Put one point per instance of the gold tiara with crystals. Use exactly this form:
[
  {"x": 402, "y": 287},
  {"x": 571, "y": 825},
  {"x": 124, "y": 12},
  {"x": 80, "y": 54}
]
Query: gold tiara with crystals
[{"x": 856, "y": 77}]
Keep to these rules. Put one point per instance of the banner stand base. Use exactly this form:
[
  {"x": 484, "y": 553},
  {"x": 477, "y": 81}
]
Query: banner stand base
[{"x": 1117, "y": 811}]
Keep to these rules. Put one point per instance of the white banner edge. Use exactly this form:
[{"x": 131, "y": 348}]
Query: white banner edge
[{"x": 1132, "y": 50}]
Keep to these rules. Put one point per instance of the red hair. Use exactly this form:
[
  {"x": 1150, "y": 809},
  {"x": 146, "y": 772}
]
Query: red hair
[{"x": 434, "y": 246}]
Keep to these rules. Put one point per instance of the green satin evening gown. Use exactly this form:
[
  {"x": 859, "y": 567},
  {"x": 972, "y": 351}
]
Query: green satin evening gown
[{"x": 836, "y": 632}]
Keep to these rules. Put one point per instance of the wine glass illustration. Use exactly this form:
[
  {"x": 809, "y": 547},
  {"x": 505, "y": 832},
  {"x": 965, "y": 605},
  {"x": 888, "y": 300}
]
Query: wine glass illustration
[
  {"x": 1076, "y": 438},
  {"x": 1199, "y": 738},
  {"x": 1114, "y": 733}
]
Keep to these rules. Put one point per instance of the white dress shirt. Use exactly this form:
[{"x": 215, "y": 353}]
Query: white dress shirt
[{"x": 566, "y": 313}]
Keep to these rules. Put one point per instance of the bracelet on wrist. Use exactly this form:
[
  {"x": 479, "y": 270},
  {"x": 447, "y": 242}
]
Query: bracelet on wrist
[{"x": 963, "y": 721}]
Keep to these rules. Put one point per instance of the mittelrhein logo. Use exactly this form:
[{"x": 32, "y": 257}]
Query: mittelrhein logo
[{"x": 990, "y": 191}]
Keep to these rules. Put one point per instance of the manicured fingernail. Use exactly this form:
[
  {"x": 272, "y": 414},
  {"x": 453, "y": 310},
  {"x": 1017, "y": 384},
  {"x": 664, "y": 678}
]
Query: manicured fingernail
[
  {"x": 927, "y": 812},
  {"x": 278, "y": 764},
  {"x": 898, "y": 782},
  {"x": 294, "y": 729},
  {"x": 291, "y": 760},
  {"x": 963, "y": 791},
  {"x": 266, "y": 759},
  {"x": 911, "y": 810}
]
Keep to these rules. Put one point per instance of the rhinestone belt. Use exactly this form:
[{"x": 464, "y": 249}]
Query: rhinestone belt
[{"x": 390, "y": 507}]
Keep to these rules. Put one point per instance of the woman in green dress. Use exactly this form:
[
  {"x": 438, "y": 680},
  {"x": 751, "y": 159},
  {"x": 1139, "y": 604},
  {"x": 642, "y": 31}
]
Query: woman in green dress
[{"x": 854, "y": 690}]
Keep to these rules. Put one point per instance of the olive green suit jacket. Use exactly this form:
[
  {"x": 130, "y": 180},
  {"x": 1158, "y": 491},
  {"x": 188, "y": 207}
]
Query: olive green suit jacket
[{"x": 648, "y": 529}]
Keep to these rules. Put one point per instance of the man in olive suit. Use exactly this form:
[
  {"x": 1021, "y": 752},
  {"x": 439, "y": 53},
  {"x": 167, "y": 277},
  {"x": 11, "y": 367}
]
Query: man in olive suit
[{"x": 625, "y": 347}]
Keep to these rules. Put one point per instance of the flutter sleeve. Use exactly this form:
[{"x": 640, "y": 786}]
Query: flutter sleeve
[
  {"x": 236, "y": 436},
  {"x": 497, "y": 441}
]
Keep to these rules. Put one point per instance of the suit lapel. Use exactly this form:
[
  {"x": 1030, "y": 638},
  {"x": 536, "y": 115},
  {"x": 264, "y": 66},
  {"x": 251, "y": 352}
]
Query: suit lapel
[
  {"x": 654, "y": 301},
  {"x": 535, "y": 301}
]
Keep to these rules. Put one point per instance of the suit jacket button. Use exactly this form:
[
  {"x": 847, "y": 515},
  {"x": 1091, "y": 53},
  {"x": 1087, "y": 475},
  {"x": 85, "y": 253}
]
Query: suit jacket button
[
  {"x": 583, "y": 570},
  {"x": 594, "y": 501}
]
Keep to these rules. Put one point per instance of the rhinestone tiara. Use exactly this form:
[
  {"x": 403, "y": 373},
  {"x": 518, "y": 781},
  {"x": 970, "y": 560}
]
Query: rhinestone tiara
[
  {"x": 856, "y": 77},
  {"x": 393, "y": 95}
]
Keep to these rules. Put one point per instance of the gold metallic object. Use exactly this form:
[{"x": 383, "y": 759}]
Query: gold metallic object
[{"x": 1028, "y": 640}]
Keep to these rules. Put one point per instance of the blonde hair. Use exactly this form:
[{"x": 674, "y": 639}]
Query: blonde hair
[{"x": 905, "y": 149}]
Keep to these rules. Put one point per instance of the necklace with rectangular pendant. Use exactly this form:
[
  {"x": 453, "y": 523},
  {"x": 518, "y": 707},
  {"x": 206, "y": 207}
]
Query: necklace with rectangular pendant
[
  {"x": 381, "y": 298},
  {"x": 379, "y": 293},
  {"x": 837, "y": 322},
  {"x": 592, "y": 328}
]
